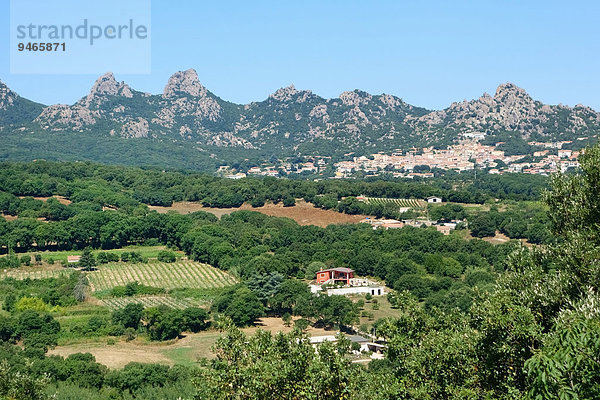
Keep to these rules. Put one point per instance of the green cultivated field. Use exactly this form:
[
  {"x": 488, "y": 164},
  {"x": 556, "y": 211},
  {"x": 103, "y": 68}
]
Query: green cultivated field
[
  {"x": 182, "y": 274},
  {"x": 33, "y": 273},
  {"x": 145, "y": 251},
  {"x": 400, "y": 203},
  {"x": 152, "y": 301}
]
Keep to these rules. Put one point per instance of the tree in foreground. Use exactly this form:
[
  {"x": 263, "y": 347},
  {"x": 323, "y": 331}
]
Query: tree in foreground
[
  {"x": 535, "y": 336},
  {"x": 281, "y": 366},
  {"x": 17, "y": 385}
]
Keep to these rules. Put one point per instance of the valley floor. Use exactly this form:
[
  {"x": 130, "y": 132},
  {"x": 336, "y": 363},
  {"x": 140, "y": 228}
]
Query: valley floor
[{"x": 186, "y": 350}]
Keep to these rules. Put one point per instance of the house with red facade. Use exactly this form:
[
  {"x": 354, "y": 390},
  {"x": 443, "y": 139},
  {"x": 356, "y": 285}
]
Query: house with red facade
[
  {"x": 351, "y": 285},
  {"x": 336, "y": 274}
]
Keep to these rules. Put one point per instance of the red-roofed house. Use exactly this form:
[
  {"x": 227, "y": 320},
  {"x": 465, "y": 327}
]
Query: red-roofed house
[{"x": 337, "y": 274}]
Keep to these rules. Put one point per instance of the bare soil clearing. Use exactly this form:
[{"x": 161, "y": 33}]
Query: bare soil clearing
[
  {"x": 61, "y": 199},
  {"x": 118, "y": 355},
  {"x": 185, "y": 350},
  {"x": 303, "y": 213}
]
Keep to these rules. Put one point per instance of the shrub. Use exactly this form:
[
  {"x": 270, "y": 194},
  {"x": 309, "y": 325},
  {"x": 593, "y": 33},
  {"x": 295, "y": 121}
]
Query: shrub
[
  {"x": 131, "y": 288},
  {"x": 289, "y": 201},
  {"x": 102, "y": 258},
  {"x": 31, "y": 303},
  {"x": 115, "y": 330},
  {"x": 257, "y": 201},
  {"x": 166, "y": 256},
  {"x": 26, "y": 260},
  {"x": 134, "y": 288},
  {"x": 118, "y": 291},
  {"x": 302, "y": 324},
  {"x": 129, "y": 334},
  {"x": 10, "y": 262},
  {"x": 287, "y": 319},
  {"x": 364, "y": 328},
  {"x": 95, "y": 323},
  {"x": 136, "y": 257},
  {"x": 129, "y": 316},
  {"x": 9, "y": 302},
  {"x": 194, "y": 319}
]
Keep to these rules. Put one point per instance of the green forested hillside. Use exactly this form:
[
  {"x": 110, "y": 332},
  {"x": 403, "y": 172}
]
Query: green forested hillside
[{"x": 471, "y": 320}]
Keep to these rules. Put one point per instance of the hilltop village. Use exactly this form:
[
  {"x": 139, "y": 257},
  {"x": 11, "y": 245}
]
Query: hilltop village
[{"x": 549, "y": 157}]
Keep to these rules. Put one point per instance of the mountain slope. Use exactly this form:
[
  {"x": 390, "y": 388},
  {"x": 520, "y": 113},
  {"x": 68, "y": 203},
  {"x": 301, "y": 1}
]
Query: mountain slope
[
  {"x": 290, "y": 121},
  {"x": 15, "y": 110},
  {"x": 287, "y": 119},
  {"x": 511, "y": 109}
]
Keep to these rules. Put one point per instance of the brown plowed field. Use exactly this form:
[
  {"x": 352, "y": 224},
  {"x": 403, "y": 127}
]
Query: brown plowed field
[{"x": 303, "y": 213}]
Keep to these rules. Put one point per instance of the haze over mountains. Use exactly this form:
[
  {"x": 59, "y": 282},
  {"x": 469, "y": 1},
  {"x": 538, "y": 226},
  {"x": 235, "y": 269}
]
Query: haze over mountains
[{"x": 289, "y": 121}]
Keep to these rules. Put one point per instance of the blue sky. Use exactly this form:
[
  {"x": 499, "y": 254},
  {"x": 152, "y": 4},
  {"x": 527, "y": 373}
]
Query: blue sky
[{"x": 430, "y": 53}]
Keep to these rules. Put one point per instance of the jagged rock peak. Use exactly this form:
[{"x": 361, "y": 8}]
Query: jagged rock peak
[
  {"x": 7, "y": 96},
  {"x": 108, "y": 85},
  {"x": 184, "y": 82},
  {"x": 509, "y": 90},
  {"x": 284, "y": 93},
  {"x": 290, "y": 93},
  {"x": 355, "y": 97}
]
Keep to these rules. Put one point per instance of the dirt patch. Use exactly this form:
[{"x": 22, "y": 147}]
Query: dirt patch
[
  {"x": 61, "y": 199},
  {"x": 118, "y": 355},
  {"x": 303, "y": 213},
  {"x": 499, "y": 238},
  {"x": 274, "y": 325},
  {"x": 9, "y": 217}
]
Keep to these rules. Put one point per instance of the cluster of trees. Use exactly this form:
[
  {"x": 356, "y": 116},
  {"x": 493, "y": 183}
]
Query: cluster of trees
[
  {"x": 473, "y": 320},
  {"x": 282, "y": 366},
  {"x": 58, "y": 291},
  {"x": 27, "y": 376},
  {"x": 523, "y": 221},
  {"x": 134, "y": 289},
  {"x": 421, "y": 260},
  {"x": 535, "y": 336},
  {"x": 248, "y": 243},
  {"x": 160, "y": 323},
  {"x": 37, "y": 330},
  {"x": 13, "y": 261},
  {"x": 90, "y": 186},
  {"x": 108, "y": 204},
  {"x": 519, "y": 220},
  {"x": 98, "y": 229},
  {"x": 30, "y": 302},
  {"x": 272, "y": 294}
]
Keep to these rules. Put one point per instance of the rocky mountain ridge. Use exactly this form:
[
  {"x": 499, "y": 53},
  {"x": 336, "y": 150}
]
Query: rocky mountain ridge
[
  {"x": 292, "y": 120},
  {"x": 14, "y": 109}
]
